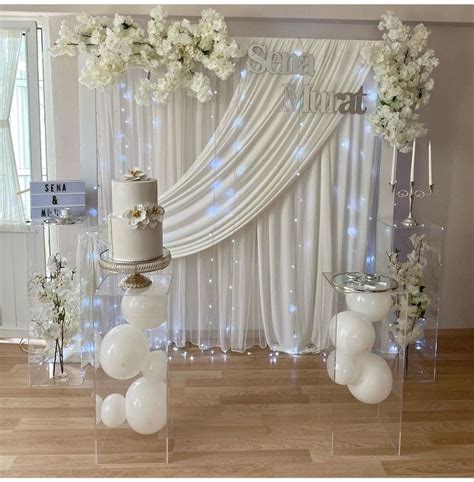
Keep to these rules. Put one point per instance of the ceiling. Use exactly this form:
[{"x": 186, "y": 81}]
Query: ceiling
[{"x": 426, "y": 13}]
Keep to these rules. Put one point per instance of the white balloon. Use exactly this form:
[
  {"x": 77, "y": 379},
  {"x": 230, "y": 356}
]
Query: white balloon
[
  {"x": 97, "y": 343},
  {"x": 355, "y": 334},
  {"x": 155, "y": 366},
  {"x": 375, "y": 306},
  {"x": 374, "y": 381},
  {"x": 123, "y": 352},
  {"x": 341, "y": 367},
  {"x": 113, "y": 410},
  {"x": 144, "y": 311},
  {"x": 145, "y": 406},
  {"x": 98, "y": 408}
]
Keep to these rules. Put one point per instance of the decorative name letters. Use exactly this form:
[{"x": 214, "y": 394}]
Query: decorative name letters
[
  {"x": 303, "y": 97},
  {"x": 48, "y": 197}
]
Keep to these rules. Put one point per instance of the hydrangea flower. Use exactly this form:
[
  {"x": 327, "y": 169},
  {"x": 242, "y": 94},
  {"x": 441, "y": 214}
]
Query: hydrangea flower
[
  {"x": 169, "y": 53},
  {"x": 402, "y": 70}
]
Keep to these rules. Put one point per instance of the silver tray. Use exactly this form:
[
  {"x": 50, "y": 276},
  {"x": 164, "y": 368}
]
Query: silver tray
[{"x": 355, "y": 281}]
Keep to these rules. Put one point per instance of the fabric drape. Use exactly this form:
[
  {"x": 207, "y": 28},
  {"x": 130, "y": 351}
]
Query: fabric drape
[
  {"x": 259, "y": 202},
  {"x": 260, "y": 149},
  {"x": 11, "y": 211}
]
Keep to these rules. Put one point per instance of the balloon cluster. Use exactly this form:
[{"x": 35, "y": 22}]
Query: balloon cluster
[
  {"x": 367, "y": 375},
  {"x": 123, "y": 353}
]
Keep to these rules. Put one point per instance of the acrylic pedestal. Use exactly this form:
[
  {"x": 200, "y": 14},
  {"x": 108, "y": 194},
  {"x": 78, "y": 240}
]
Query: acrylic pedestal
[
  {"x": 422, "y": 351},
  {"x": 367, "y": 364},
  {"x": 26, "y": 250},
  {"x": 60, "y": 239},
  {"x": 131, "y": 371}
]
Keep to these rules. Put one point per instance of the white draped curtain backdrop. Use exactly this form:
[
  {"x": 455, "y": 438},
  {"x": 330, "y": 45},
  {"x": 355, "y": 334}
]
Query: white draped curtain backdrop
[{"x": 259, "y": 202}]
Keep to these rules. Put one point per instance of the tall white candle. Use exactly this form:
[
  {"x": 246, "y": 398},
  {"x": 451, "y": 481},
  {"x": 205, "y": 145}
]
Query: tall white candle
[
  {"x": 412, "y": 171},
  {"x": 394, "y": 165},
  {"x": 430, "y": 167}
]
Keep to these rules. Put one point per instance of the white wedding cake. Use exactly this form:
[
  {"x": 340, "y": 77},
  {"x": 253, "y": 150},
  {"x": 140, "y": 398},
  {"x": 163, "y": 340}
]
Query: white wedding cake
[{"x": 135, "y": 225}]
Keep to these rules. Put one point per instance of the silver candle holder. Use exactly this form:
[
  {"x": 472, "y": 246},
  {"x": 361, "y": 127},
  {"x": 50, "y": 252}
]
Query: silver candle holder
[{"x": 411, "y": 194}]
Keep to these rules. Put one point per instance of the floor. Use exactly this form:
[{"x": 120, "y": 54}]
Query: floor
[{"x": 242, "y": 415}]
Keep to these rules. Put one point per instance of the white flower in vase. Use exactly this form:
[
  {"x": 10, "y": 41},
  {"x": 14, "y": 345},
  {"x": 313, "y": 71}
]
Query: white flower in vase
[
  {"x": 55, "y": 307},
  {"x": 409, "y": 276}
]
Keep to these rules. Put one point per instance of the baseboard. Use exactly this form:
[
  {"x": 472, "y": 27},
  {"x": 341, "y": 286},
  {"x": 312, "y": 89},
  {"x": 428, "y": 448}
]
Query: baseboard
[{"x": 13, "y": 333}]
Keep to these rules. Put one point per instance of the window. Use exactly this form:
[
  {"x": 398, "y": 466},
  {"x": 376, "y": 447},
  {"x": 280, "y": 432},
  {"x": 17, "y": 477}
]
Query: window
[{"x": 27, "y": 114}]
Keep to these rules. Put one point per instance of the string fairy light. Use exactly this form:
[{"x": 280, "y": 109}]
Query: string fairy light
[{"x": 299, "y": 156}]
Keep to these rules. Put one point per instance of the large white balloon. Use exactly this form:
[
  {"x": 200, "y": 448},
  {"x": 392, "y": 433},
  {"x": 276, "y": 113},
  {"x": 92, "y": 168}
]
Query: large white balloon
[
  {"x": 144, "y": 311},
  {"x": 123, "y": 352},
  {"x": 113, "y": 410},
  {"x": 145, "y": 406},
  {"x": 355, "y": 334},
  {"x": 98, "y": 408},
  {"x": 155, "y": 366},
  {"x": 375, "y": 306},
  {"x": 374, "y": 380},
  {"x": 341, "y": 367}
]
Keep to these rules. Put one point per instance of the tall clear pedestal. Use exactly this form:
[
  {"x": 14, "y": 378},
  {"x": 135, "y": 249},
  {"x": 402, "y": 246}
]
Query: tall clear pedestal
[
  {"x": 361, "y": 386},
  {"x": 66, "y": 360},
  {"x": 131, "y": 371},
  {"x": 52, "y": 279},
  {"x": 422, "y": 325}
]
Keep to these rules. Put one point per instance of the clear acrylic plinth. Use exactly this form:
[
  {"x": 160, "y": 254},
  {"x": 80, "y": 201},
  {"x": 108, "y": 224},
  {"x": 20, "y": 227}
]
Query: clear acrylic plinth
[
  {"x": 422, "y": 343},
  {"x": 131, "y": 371},
  {"x": 39, "y": 241},
  {"x": 361, "y": 385}
]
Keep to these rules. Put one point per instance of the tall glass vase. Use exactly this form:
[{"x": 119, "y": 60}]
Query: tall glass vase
[
  {"x": 421, "y": 339},
  {"x": 59, "y": 335}
]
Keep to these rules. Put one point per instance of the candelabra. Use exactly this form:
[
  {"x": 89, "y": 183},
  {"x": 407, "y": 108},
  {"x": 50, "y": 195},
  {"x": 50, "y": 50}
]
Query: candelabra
[{"x": 411, "y": 194}]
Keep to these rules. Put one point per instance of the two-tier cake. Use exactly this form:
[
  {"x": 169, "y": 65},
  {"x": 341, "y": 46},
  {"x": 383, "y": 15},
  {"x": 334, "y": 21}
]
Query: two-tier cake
[{"x": 135, "y": 225}]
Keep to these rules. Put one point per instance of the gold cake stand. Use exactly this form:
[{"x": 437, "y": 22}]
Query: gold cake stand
[{"x": 134, "y": 269}]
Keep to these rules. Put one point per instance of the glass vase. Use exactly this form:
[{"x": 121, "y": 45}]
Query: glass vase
[{"x": 421, "y": 339}]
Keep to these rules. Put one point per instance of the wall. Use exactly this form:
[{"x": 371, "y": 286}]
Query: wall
[{"x": 449, "y": 118}]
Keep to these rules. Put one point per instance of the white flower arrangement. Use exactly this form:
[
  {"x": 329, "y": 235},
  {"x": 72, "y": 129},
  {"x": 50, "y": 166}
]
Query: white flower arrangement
[
  {"x": 169, "y": 53},
  {"x": 55, "y": 307},
  {"x": 144, "y": 216},
  {"x": 402, "y": 69},
  {"x": 135, "y": 174},
  {"x": 409, "y": 275}
]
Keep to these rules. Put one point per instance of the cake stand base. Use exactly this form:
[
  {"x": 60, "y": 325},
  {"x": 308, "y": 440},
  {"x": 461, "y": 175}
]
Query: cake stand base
[{"x": 136, "y": 280}]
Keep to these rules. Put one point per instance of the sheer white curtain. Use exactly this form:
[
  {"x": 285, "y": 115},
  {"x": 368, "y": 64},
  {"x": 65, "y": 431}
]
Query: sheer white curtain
[
  {"x": 259, "y": 202},
  {"x": 11, "y": 211}
]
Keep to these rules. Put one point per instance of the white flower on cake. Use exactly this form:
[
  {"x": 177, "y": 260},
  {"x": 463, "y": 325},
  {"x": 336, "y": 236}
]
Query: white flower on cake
[
  {"x": 169, "y": 53},
  {"x": 144, "y": 216},
  {"x": 402, "y": 70},
  {"x": 135, "y": 174},
  {"x": 137, "y": 217},
  {"x": 155, "y": 214}
]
